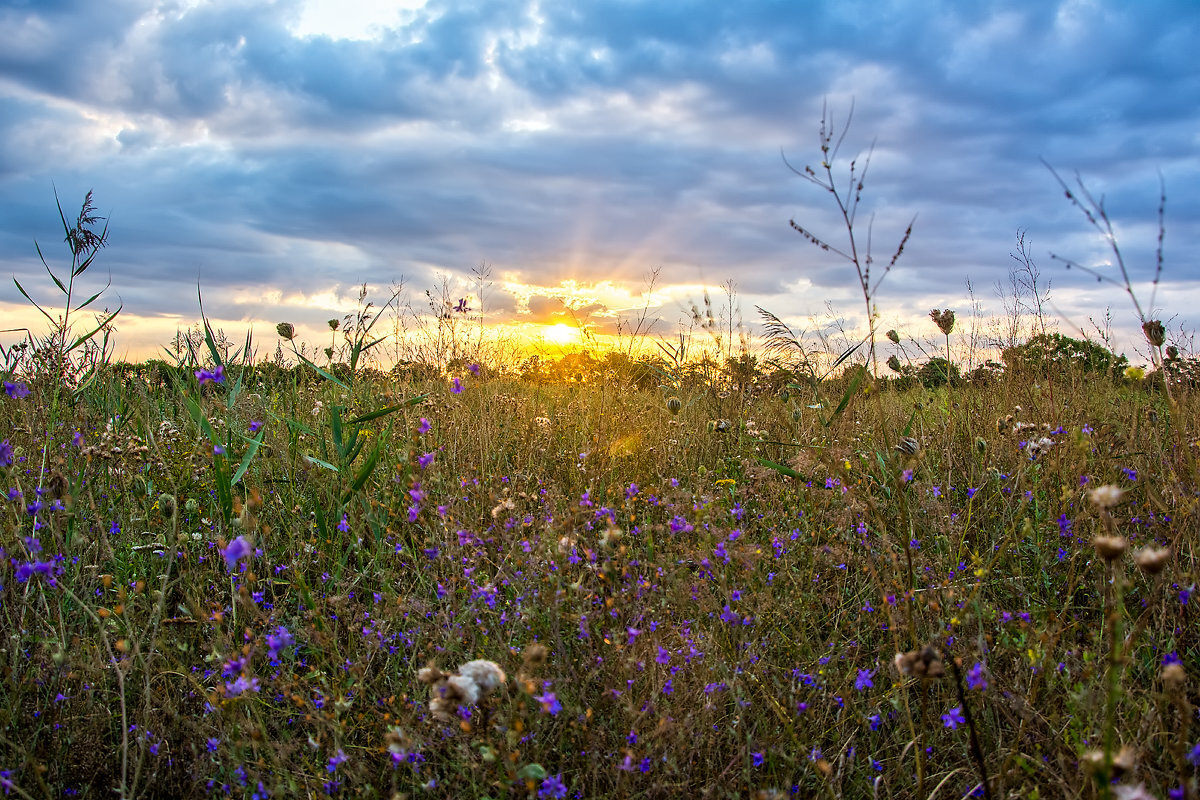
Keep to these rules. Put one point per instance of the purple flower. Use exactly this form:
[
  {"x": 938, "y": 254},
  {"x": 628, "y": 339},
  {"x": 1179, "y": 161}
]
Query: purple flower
[
  {"x": 553, "y": 786},
  {"x": 6, "y": 454},
  {"x": 279, "y": 640},
  {"x": 241, "y": 686},
  {"x": 473, "y": 369},
  {"x": 549, "y": 701},
  {"x": 977, "y": 677},
  {"x": 953, "y": 718},
  {"x": 255, "y": 426},
  {"x": 1193, "y": 755},
  {"x": 16, "y": 390},
  {"x": 456, "y": 386},
  {"x": 235, "y": 551},
  {"x": 338, "y": 758},
  {"x": 758, "y": 759},
  {"x": 424, "y": 427},
  {"x": 216, "y": 376},
  {"x": 344, "y": 525},
  {"x": 863, "y": 680},
  {"x": 425, "y": 460}
]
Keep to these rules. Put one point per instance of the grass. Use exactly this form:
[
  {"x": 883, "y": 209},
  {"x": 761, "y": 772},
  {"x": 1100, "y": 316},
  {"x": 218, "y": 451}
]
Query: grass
[{"x": 711, "y": 626}]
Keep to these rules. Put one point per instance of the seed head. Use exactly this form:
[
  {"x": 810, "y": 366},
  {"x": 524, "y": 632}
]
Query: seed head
[
  {"x": 923, "y": 663},
  {"x": 893, "y": 363},
  {"x": 674, "y": 404},
  {"x": 1151, "y": 560},
  {"x": 1155, "y": 333},
  {"x": 1110, "y": 548},
  {"x": 535, "y": 655},
  {"x": 943, "y": 319},
  {"x": 1174, "y": 676},
  {"x": 333, "y": 324},
  {"x": 893, "y": 336},
  {"x": 1107, "y": 496},
  {"x": 287, "y": 330}
]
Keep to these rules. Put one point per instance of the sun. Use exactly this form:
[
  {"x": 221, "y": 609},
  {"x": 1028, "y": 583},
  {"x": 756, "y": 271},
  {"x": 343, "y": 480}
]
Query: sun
[{"x": 560, "y": 333}]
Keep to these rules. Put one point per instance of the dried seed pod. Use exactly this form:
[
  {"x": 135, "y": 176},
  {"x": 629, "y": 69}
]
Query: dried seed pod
[{"x": 1110, "y": 548}]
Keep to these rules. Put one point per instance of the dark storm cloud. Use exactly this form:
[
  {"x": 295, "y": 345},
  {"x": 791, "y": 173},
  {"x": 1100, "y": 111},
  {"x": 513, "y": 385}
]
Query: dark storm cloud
[{"x": 592, "y": 140}]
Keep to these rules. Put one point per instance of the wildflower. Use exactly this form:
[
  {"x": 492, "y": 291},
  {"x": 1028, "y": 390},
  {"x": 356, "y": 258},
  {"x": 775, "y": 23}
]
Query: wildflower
[
  {"x": 238, "y": 549},
  {"x": 216, "y": 376},
  {"x": 339, "y": 757},
  {"x": 1193, "y": 755},
  {"x": 16, "y": 390},
  {"x": 759, "y": 758},
  {"x": 241, "y": 685},
  {"x": 553, "y": 786},
  {"x": 6, "y": 454},
  {"x": 473, "y": 369},
  {"x": 255, "y": 426},
  {"x": 1107, "y": 496},
  {"x": 1152, "y": 560},
  {"x": 549, "y": 701},
  {"x": 287, "y": 330},
  {"x": 1134, "y": 373},
  {"x": 280, "y": 640},
  {"x": 863, "y": 680},
  {"x": 953, "y": 718},
  {"x": 344, "y": 525},
  {"x": 424, "y": 427},
  {"x": 425, "y": 460},
  {"x": 977, "y": 677},
  {"x": 456, "y": 386},
  {"x": 218, "y": 450}
]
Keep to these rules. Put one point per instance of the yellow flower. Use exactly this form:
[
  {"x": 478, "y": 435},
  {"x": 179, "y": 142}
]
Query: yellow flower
[{"x": 1134, "y": 373}]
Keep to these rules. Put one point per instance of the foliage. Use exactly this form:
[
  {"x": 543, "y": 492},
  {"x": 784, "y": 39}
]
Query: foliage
[{"x": 1047, "y": 352}]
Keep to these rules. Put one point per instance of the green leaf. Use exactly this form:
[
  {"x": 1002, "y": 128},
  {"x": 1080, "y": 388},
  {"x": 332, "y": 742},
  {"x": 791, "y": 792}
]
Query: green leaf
[
  {"x": 320, "y": 463},
  {"x": 364, "y": 472},
  {"x": 249, "y": 455},
  {"x": 383, "y": 412},
  {"x": 320, "y": 371},
  {"x": 534, "y": 772},
  {"x": 95, "y": 330},
  {"x": 21, "y": 289},
  {"x": 781, "y": 469}
]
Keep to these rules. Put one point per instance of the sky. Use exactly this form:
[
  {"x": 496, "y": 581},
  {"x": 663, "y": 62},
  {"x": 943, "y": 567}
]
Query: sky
[{"x": 278, "y": 155}]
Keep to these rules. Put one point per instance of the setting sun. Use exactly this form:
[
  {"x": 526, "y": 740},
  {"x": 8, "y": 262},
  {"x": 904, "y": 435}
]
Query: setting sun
[{"x": 560, "y": 333}]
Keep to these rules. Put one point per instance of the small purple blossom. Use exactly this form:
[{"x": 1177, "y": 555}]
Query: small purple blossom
[
  {"x": 977, "y": 677},
  {"x": 235, "y": 551},
  {"x": 863, "y": 680},
  {"x": 278, "y": 641},
  {"x": 216, "y": 376},
  {"x": 16, "y": 390},
  {"x": 456, "y": 386},
  {"x": 553, "y": 786},
  {"x": 424, "y": 427},
  {"x": 953, "y": 718}
]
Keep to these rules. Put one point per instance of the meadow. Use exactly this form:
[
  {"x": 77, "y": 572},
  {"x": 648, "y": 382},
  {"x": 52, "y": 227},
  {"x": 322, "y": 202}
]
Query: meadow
[{"x": 609, "y": 576}]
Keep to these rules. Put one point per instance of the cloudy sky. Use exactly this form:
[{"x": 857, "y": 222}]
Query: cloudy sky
[{"x": 280, "y": 154}]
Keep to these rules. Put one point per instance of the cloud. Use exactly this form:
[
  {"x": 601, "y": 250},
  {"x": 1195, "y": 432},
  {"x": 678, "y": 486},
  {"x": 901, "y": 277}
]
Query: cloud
[{"x": 593, "y": 141}]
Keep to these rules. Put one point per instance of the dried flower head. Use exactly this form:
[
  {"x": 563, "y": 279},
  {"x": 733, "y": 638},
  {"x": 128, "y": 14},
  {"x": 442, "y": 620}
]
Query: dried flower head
[
  {"x": 908, "y": 445},
  {"x": 893, "y": 336},
  {"x": 674, "y": 404},
  {"x": 535, "y": 655},
  {"x": 893, "y": 363},
  {"x": 287, "y": 330},
  {"x": 1107, "y": 496},
  {"x": 1156, "y": 334},
  {"x": 333, "y": 324},
  {"x": 487, "y": 675},
  {"x": 923, "y": 663},
  {"x": 1152, "y": 560},
  {"x": 1174, "y": 676},
  {"x": 1123, "y": 761},
  {"x": 1110, "y": 548},
  {"x": 943, "y": 319}
]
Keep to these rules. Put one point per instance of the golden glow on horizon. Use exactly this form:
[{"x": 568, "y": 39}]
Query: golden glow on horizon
[{"x": 560, "y": 333}]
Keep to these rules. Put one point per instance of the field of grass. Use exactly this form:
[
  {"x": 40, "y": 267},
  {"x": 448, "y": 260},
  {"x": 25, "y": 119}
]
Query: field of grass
[{"x": 227, "y": 582}]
